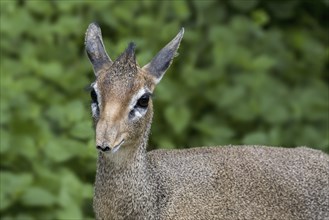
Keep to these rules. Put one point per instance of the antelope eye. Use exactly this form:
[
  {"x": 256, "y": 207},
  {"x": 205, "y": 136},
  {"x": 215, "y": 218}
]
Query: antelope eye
[
  {"x": 93, "y": 96},
  {"x": 143, "y": 101}
]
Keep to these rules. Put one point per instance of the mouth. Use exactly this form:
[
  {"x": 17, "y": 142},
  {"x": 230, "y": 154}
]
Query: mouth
[{"x": 116, "y": 147}]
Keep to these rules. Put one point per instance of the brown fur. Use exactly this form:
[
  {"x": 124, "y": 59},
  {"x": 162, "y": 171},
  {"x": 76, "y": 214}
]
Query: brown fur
[{"x": 228, "y": 182}]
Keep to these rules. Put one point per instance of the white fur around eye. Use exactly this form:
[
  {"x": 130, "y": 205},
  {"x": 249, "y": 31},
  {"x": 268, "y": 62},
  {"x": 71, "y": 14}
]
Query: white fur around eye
[
  {"x": 98, "y": 94},
  {"x": 95, "y": 106},
  {"x": 136, "y": 112},
  {"x": 94, "y": 110},
  {"x": 136, "y": 97}
]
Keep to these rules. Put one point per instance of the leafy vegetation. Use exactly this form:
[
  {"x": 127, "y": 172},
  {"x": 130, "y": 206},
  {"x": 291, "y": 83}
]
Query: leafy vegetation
[{"x": 249, "y": 72}]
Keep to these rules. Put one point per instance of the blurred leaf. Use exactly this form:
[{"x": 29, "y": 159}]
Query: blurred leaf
[
  {"x": 166, "y": 143},
  {"x": 74, "y": 111},
  {"x": 12, "y": 186},
  {"x": 244, "y": 5},
  {"x": 210, "y": 127},
  {"x": 4, "y": 141},
  {"x": 41, "y": 8},
  {"x": 284, "y": 10},
  {"x": 36, "y": 196},
  {"x": 83, "y": 130},
  {"x": 230, "y": 96},
  {"x": 255, "y": 138},
  {"x": 71, "y": 211},
  {"x": 262, "y": 63},
  {"x": 260, "y": 17},
  {"x": 25, "y": 146},
  {"x": 24, "y": 217},
  {"x": 63, "y": 149},
  {"x": 181, "y": 9},
  {"x": 178, "y": 117}
]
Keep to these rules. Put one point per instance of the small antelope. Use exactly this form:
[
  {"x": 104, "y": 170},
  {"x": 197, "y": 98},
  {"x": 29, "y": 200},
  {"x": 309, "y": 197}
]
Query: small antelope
[{"x": 228, "y": 182}]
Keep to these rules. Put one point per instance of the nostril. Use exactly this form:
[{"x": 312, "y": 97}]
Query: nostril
[{"x": 107, "y": 148}]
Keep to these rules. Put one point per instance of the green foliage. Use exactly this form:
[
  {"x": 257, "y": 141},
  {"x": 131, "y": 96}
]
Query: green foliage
[{"x": 249, "y": 72}]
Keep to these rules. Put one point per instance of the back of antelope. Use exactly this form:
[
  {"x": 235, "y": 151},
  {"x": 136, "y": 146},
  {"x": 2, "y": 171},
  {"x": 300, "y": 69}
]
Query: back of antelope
[{"x": 228, "y": 182}]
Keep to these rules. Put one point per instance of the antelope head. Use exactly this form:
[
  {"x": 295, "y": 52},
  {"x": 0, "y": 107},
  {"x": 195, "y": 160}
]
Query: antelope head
[{"x": 122, "y": 91}]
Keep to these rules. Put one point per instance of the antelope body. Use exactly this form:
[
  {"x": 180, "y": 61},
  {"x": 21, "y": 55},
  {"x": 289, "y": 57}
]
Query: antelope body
[{"x": 229, "y": 182}]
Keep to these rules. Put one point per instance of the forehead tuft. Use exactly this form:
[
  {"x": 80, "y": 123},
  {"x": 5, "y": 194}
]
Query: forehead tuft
[
  {"x": 123, "y": 70},
  {"x": 122, "y": 83},
  {"x": 124, "y": 76}
]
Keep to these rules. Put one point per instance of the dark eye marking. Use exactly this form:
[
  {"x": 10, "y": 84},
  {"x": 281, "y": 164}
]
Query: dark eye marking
[
  {"x": 93, "y": 96},
  {"x": 143, "y": 101}
]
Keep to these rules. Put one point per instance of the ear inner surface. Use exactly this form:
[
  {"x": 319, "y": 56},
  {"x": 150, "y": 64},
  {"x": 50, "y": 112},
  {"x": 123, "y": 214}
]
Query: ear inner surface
[
  {"x": 95, "y": 48},
  {"x": 161, "y": 62}
]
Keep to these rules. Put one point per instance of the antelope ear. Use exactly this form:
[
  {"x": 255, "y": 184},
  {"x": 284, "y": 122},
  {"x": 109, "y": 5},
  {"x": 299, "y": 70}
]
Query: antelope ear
[
  {"x": 95, "y": 48},
  {"x": 161, "y": 62}
]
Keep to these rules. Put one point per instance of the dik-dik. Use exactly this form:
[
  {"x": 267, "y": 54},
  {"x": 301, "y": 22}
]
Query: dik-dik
[{"x": 228, "y": 182}]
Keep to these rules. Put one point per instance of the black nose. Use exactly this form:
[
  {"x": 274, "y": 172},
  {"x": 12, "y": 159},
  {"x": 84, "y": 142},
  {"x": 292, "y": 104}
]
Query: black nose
[{"x": 103, "y": 148}]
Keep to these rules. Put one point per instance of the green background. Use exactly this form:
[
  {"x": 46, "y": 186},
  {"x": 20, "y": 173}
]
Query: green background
[{"x": 249, "y": 72}]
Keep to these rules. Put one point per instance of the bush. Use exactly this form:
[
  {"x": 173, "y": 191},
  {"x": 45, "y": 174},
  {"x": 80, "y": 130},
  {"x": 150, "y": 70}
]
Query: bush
[{"x": 249, "y": 72}]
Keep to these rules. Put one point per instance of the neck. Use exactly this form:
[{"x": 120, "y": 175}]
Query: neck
[{"x": 123, "y": 179}]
